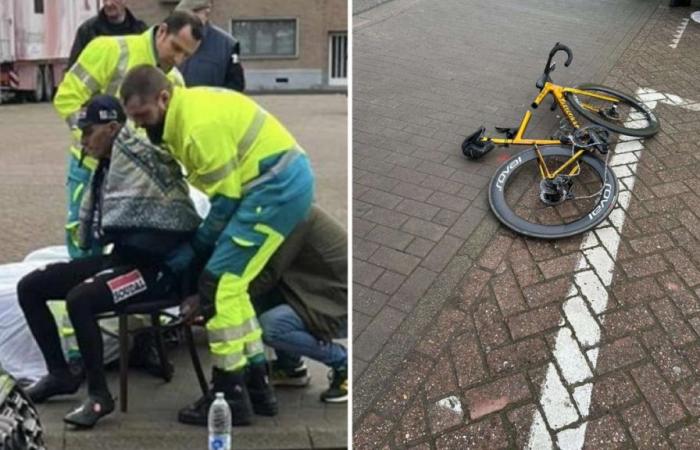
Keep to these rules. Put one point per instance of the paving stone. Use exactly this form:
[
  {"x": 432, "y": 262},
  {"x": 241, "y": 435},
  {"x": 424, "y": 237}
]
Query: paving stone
[
  {"x": 626, "y": 321},
  {"x": 412, "y": 289},
  {"x": 684, "y": 266},
  {"x": 658, "y": 394},
  {"x": 442, "y": 253},
  {"x": 371, "y": 433},
  {"x": 651, "y": 244},
  {"x": 666, "y": 358},
  {"x": 690, "y": 396},
  {"x": 521, "y": 420},
  {"x": 442, "y": 381},
  {"x": 605, "y": 433},
  {"x": 362, "y": 249},
  {"x": 687, "y": 438},
  {"x": 408, "y": 379},
  {"x": 646, "y": 266},
  {"x": 380, "y": 198},
  {"x": 534, "y": 321},
  {"x": 388, "y": 282},
  {"x": 473, "y": 284},
  {"x": 365, "y": 273},
  {"x": 558, "y": 266},
  {"x": 644, "y": 429},
  {"x": 420, "y": 247},
  {"x": 489, "y": 434},
  {"x": 443, "y": 415},
  {"x": 619, "y": 353},
  {"x": 672, "y": 322},
  {"x": 494, "y": 253},
  {"x": 367, "y": 301},
  {"x": 389, "y": 237},
  {"x": 517, "y": 356},
  {"x": 385, "y": 216},
  {"x": 417, "y": 209},
  {"x": 496, "y": 396},
  {"x": 467, "y": 360},
  {"x": 548, "y": 291},
  {"x": 424, "y": 229},
  {"x": 636, "y": 292},
  {"x": 413, "y": 425},
  {"x": 446, "y": 217},
  {"x": 448, "y": 201},
  {"x": 508, "y": 294},
  {"x": 612, "y": 392},
  {"x": 449, "y": 322},
  {"x": 377, "y": 332},
  {"x": 394, "y": 260}
]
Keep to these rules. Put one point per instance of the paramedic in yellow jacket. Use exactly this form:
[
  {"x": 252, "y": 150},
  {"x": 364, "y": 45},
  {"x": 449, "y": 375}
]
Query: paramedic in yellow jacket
[
  {"x": 260, "y": 185},
  {"x": 100, "y": 69}
]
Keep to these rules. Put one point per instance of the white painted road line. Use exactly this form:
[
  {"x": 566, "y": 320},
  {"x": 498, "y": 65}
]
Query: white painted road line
[
  {"x": 679, "y": 32},
  {"x": 588, "y": 299}
]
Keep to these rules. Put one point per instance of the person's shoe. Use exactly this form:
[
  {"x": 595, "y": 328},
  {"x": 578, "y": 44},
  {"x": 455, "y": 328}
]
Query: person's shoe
[
  {"x": 294, "y": 377},
  {"x": 262, "y": 394},
  {"x": 232, "y": 384},
  {"x": 53, "y": 384},
  {"x": 90, "y": 411},
  {"x": 338, "y": 390}
]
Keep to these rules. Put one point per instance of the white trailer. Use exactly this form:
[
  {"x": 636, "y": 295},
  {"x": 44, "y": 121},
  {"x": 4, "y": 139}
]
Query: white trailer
[{"x": 35, "y": 41}]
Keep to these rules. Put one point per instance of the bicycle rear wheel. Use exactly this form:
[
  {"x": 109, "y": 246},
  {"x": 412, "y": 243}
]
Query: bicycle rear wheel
[
  {"x": 625, "y": 116},
  {"x": 515, "y": 195}
]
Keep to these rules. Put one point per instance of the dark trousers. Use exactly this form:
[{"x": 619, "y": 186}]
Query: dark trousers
[{"x": 90, "y": 286}]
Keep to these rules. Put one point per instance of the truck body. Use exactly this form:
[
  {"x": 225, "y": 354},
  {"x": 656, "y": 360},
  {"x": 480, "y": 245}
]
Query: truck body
[{"x": 35, "y": 41}]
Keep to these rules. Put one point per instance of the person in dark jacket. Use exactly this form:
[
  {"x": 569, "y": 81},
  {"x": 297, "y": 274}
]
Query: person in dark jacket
[
  {"x": 301, "y": 301},
  {"x": 114, "y": 19},
  {"x": 217, "y": 61}
]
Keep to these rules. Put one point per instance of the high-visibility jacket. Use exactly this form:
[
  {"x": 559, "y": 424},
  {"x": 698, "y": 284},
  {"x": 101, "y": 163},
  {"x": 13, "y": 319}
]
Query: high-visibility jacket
[
  {"x": 221, "y": 137},
  {"x": 100, "y": 69}
]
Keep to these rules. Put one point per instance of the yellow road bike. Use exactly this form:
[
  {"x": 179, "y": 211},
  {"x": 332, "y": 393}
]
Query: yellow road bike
[{"x": 559, "y": 187}]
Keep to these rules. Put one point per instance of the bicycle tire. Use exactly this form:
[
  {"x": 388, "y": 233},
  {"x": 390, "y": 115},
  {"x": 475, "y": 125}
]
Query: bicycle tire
[
  {"x": 596, "y": 118},
  {"x": 504, "y": 213}
]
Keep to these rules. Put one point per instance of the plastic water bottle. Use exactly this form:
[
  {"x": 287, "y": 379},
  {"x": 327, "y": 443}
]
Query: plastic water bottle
[{"x": 219, "y": 424}]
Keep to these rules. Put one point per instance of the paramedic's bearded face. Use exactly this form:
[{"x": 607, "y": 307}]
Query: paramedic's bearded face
[
  {"x": 174, "y": 48},
  {"x": 149, "y": 113},
  {"x": 115, "y": 10}
]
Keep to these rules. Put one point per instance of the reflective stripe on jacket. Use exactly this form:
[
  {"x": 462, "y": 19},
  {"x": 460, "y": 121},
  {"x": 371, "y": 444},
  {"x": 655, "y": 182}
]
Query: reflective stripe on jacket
[{"x": 220, "y": 137}]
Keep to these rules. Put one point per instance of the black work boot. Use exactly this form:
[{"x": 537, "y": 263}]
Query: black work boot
[
  {"x": 232, "y": 384},
  {"x": 262, "y": 394},
  {"x": 57, "y": 383},
  {"x": 90, "y": 411}
]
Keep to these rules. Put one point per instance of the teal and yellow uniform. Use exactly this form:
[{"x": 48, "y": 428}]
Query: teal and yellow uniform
[
  {"x": 100, "y": 69},
  {"x": 260, "y": 185}
]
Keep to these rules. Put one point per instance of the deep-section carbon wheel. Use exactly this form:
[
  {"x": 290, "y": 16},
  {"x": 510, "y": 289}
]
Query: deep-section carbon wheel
[
  {"x": 566, "y": 206},
  {"x": 625, "y": 116}
]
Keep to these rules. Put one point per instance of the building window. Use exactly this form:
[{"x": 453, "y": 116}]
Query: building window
[
  {"x": 39, "y": 6},
  {"x": 266, "y": 38},
  {"x": 338, "y": 59}
]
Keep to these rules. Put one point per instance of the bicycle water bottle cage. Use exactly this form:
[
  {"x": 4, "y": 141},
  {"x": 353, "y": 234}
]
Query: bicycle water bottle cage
[{"x": 473, "y": 147}]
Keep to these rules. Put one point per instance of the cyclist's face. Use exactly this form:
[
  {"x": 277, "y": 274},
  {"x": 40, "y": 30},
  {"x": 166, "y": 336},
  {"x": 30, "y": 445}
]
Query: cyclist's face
[{"x": 97, "y": 139}]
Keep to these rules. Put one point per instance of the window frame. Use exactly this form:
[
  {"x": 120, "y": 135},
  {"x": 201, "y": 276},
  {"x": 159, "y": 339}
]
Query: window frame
[
  {"x": 245, "y": 57},
  {"x": 36, "y": 8}
]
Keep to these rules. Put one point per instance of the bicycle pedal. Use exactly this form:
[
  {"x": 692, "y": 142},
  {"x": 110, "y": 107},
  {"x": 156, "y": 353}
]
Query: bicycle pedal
[{"x": 509, "y": 132}]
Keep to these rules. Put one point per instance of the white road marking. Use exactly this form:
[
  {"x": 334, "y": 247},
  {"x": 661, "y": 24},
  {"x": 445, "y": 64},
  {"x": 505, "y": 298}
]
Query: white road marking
[
  {"x": 564, "y": 405},
  {"x": 679, "y": 32}
]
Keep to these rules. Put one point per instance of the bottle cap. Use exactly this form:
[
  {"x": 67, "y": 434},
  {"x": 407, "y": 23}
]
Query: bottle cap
[{"x": 220, "y": 395}]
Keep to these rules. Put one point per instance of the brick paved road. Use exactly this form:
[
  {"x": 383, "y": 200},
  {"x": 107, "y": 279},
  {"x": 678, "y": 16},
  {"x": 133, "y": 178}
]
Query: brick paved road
[{"x": 486, "y": 338}]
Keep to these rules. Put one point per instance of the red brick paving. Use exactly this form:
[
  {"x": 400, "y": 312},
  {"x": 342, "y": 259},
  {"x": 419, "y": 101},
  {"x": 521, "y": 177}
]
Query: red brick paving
[{"x": 490, "y": 345}]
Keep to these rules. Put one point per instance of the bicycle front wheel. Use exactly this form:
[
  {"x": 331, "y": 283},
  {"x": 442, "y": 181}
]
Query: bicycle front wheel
[
  {"x": 516, "y": 195},
  {"x": 624, "y": 115}
]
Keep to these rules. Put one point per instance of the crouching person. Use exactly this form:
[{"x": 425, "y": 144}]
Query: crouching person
[
  {"x": 137, "y": 201},
  {"x": 301, "y": 298}
]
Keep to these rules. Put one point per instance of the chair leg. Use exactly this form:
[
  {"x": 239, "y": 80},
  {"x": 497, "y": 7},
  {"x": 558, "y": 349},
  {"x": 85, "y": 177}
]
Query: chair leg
[
  {"x": 195, "y": 360},
  {"x": 165, "y": 371},
  {"x": 123, "y": 361}
]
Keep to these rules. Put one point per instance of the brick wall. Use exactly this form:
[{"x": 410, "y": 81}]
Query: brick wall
[{"x": 317, "y": 18}]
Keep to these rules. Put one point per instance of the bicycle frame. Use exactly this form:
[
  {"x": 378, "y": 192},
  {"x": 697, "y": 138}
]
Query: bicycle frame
[{"x": 557, "y": 92}]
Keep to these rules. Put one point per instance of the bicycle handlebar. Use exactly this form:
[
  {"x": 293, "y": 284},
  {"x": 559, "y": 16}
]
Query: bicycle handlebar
[{"x": 549, "y": 67}]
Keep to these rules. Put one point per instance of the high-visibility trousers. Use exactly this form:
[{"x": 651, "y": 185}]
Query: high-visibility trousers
[{"x": 268, "y": 212}]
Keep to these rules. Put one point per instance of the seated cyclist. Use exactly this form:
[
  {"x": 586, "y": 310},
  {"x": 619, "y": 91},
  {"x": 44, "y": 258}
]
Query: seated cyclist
[{"x": 137, "y": 201}]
